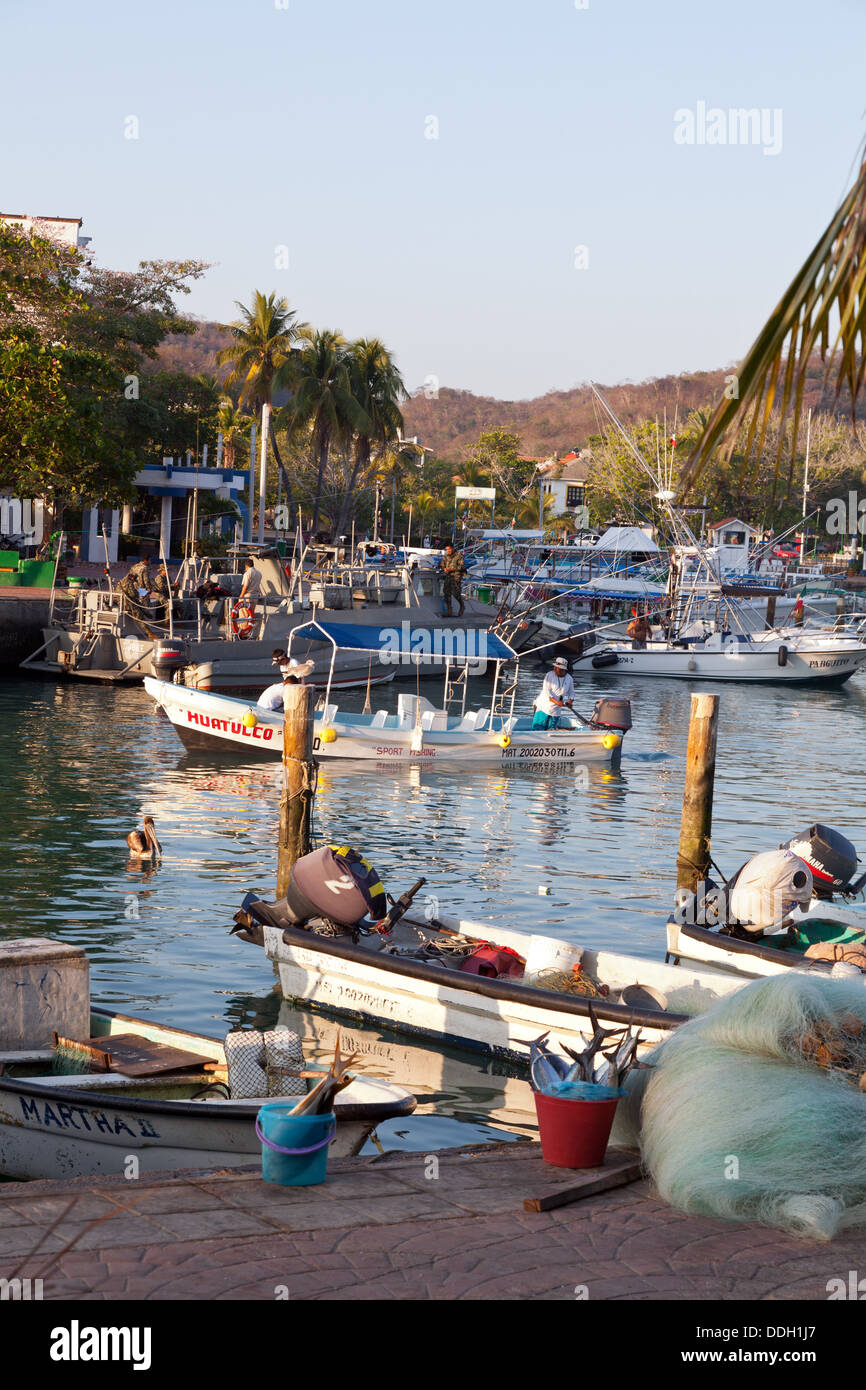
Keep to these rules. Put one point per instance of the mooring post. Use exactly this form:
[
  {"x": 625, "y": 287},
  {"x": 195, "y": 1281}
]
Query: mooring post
[
  {"x": 693, "y": 859},
  {"x": 771, "y": 611},
  {"x": 299, "y": 780}
]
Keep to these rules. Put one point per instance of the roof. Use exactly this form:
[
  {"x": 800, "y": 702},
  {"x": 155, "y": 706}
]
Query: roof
[
  {"x": 509, "y": 533},
  {"x": 458, "y": 644},
  {"x": 732, "y": 521},
  {"x": 626, "y": 538}
]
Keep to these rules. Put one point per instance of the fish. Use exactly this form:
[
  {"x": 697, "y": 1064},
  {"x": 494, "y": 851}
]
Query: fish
[{"x": 545, "y": 1067}]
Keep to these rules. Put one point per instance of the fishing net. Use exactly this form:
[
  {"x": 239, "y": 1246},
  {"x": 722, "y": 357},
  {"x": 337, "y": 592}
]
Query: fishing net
[{"x": 752, "y": 1111}]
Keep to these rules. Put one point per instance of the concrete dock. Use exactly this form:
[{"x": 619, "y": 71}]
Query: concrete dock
[{"x": 402, "y": 1226}]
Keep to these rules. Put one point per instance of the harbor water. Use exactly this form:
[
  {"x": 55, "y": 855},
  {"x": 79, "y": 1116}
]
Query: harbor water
[{"x": 586, "y": 854}]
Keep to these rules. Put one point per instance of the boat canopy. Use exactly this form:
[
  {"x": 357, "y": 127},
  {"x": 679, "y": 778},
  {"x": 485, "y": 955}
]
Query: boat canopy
[
  {"x": 627, "y": 538},
  {"x": 443, "y": 643},
  {"x": 507, "y": 534}
]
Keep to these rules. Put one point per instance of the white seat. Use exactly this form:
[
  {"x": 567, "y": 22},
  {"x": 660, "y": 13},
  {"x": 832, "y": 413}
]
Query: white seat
[
  {"x": 434, "y": 719},
  {"x": 378, "y": 720},
  {"x": 468, "y": 721},
  {"x": 329, "y": 714},
  {"x": 481, "y": 718}
]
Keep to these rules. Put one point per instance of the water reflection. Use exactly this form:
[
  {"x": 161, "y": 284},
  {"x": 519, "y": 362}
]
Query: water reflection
[{"x": 81, "y": 764}]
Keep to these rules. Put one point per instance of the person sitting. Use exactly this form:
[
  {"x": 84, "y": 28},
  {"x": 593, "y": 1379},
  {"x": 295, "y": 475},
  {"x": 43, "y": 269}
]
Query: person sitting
[
  {"x": 640, "y": 631},
  {"x": 556, "y": 694}
]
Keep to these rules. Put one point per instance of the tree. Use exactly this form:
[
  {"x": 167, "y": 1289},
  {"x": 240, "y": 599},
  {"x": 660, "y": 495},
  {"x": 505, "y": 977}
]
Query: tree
[
  {"x": 378, "y": 389},
  {"x": 497, "y": 455},
  {"x": 75, "y": 416},
  {"x": 234, "y": 425},
  {"x": 322, "y": 399},
  {"x": 263, "y": 336}
]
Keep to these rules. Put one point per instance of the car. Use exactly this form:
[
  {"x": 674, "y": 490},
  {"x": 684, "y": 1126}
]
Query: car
[{"x": 787, "y": 552}]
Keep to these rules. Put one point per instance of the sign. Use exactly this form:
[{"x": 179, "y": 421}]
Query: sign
[{"x": 476, "y": 494}]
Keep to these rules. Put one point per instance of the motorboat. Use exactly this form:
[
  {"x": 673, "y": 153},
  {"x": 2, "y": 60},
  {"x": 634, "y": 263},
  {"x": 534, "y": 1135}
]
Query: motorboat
[{"x": 419, "y": 732}]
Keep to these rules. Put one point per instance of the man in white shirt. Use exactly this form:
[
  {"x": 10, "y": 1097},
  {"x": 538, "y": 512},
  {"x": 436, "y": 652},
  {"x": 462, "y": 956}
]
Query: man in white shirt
[{"x": 556, "y": 694}]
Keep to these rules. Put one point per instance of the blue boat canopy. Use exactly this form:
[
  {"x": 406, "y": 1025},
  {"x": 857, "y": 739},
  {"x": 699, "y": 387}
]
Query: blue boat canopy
[{"x": 458, "y": 644}]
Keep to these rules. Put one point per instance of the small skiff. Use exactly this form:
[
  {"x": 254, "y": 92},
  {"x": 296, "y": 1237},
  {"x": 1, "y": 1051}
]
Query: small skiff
[
  {"x": 772, "y": 952},
  {"x": 64, "y": 1126},
  {"x": 367, "y": 980},
  {"x": 417, "y": 733}
]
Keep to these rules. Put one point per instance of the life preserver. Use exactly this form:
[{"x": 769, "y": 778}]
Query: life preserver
[{"x": 243, "y": 620}]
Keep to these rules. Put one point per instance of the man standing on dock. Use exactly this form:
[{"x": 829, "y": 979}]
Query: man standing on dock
[{"x": 453, "y": 570}]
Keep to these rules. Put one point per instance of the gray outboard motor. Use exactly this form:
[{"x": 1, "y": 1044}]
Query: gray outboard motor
[{"x": 612, "y": 712}]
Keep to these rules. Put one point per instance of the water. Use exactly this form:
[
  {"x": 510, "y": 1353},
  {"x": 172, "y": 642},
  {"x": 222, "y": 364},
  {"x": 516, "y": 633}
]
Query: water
[{"x": 82, "y": 764}]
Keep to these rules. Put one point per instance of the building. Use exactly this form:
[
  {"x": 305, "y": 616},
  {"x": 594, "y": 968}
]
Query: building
[
  {"x": 65, "y": 231},
  {"x": 564, "y": 481}
]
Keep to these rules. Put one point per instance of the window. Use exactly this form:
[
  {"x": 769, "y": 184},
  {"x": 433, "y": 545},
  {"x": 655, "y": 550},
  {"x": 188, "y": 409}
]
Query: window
[{"x": 574, "y": 495}]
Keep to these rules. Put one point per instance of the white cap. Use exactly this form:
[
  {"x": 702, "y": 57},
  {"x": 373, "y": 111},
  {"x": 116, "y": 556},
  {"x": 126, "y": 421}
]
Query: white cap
[{"x": 561, "y": 661}]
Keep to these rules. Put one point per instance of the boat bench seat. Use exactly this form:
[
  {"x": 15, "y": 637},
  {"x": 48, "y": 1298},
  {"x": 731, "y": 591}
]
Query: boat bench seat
[
  {"x": 379, "y": 718},
  {"x": 434, "y": 719}
]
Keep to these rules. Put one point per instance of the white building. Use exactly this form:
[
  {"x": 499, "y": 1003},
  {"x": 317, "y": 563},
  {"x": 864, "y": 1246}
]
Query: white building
[
  {"x": 66, "y": 231},
  {"x": 564, "y": 480}
]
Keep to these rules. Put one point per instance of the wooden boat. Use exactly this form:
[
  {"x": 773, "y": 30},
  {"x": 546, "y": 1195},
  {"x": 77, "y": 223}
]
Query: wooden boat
[
  {"x": 54, "y": 1126},
  {"x": 419, "y": 731},
  {"x": 771, "y": 953},
  {"x": 368, "y": 981}
]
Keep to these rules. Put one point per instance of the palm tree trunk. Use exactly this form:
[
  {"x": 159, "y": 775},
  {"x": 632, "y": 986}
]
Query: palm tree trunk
[
  {"x": 362, "y": 455},
  {"x": 287, "y": 483},
  {"x": 323, "y": 460}
]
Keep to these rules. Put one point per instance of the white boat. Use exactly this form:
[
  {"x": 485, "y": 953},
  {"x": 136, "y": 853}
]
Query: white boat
[
  {"x": 772, "y": 953},
  {"x": 419, "y": 732},
  {"x": 804, "y": 658},
  {"x": 365, "y": 980},
  {"x": 56, "y": 1126}
]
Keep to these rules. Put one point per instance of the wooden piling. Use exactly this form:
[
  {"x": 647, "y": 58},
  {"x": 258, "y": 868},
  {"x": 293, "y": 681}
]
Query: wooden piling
[
  {"x": 771, "y": 612},
  {"x": 693, "y": 859},
  {"x": 299, "y": 780}
]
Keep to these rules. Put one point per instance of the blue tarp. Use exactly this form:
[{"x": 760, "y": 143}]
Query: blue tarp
[{"x": 402, "y": 639}]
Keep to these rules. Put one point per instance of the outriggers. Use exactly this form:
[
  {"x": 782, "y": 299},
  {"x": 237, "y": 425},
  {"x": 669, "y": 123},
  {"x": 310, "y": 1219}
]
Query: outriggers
[{"x": 419, "y": 731}]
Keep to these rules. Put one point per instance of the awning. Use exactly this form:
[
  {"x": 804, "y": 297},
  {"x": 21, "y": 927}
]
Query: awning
[{"x": 458, "y": 644}]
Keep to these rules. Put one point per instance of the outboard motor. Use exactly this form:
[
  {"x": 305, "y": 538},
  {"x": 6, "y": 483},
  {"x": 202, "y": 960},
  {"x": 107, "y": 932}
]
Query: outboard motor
[
  {"x": 612, "y": 713},
  {"x": 335, "y": 882},
  {"x": 768, "y": 888},
  {"x": 832, "y": 859},
  {"x": 169, "y": 655}
]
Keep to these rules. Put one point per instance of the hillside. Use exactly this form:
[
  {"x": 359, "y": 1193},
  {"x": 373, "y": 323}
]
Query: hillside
[{"x": 556, "y": 422}]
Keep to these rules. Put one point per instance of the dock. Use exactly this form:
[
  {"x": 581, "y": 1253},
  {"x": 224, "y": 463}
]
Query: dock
[{"x": 399, "y": 1226}]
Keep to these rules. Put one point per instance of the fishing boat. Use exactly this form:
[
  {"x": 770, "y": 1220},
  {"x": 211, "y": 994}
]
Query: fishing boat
[
  {"x": 419, "y": 731},
  {"x": 707, "y": 928},
  {"x": 414, "y": 980},
  {"x": 64, "y": 1126}
]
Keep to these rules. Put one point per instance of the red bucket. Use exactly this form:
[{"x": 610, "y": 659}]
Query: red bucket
[{"x": 574, "y": 1133}]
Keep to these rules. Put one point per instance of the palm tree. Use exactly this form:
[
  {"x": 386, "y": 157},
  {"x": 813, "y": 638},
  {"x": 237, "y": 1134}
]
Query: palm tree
[
  {"x": 234, "y": 426},
  {"x": 263, "y": 340},
  {"x": 831, "y": 282},
  {"x": 322, "y": 399},
  {"x": 378, "y": 388}
]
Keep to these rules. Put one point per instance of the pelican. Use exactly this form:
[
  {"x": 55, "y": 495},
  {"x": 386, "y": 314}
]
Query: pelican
[{"x": 143, "y": 844}]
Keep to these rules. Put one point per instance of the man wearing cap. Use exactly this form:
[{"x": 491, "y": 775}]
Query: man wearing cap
[
  {"x": 453, "y": 570},
  {"x": 290, "y": 666},
  {"x": 556, "y": 694}
]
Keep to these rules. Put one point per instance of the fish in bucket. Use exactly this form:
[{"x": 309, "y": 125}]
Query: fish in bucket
[{"x": 576, "y": 1099}]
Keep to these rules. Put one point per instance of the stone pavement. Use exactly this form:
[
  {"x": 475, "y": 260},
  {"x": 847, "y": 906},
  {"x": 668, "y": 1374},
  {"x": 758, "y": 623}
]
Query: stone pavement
[{"x": 381, "y": 1228}]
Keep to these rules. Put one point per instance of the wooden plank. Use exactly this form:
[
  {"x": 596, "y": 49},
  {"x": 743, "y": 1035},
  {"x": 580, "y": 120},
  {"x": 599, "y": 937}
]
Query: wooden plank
[
  {"x": 133, "y": 1055},
  {"x": 622, "y": 1166},
  {"x": 99, "y": 1058},
  {"x": 13, "y": 1057}
]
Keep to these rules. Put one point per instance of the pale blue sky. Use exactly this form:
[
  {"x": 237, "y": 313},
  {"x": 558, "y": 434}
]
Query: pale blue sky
[{"x": 305, "y": 126}]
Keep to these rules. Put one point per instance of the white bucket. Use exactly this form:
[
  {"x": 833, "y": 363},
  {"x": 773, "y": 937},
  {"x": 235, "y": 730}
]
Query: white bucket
[{"x": 546, "y": 953}]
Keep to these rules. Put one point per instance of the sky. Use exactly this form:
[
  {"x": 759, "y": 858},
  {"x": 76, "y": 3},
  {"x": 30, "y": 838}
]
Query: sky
[{"x": 517, "y": 196}]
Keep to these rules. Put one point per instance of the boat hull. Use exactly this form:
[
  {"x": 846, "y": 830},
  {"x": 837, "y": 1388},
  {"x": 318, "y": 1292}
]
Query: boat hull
[
  {"x": 467, "y": 1011},
  {"x": 75, "y": 1126},
  {"x": 829, "y": 666}
]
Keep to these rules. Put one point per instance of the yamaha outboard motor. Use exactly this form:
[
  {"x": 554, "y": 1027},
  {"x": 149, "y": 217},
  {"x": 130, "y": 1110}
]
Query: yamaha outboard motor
[{"x": 832, "y": 859}]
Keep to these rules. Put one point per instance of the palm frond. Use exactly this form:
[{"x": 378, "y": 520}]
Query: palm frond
[{"x": 830, "y": 285}]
